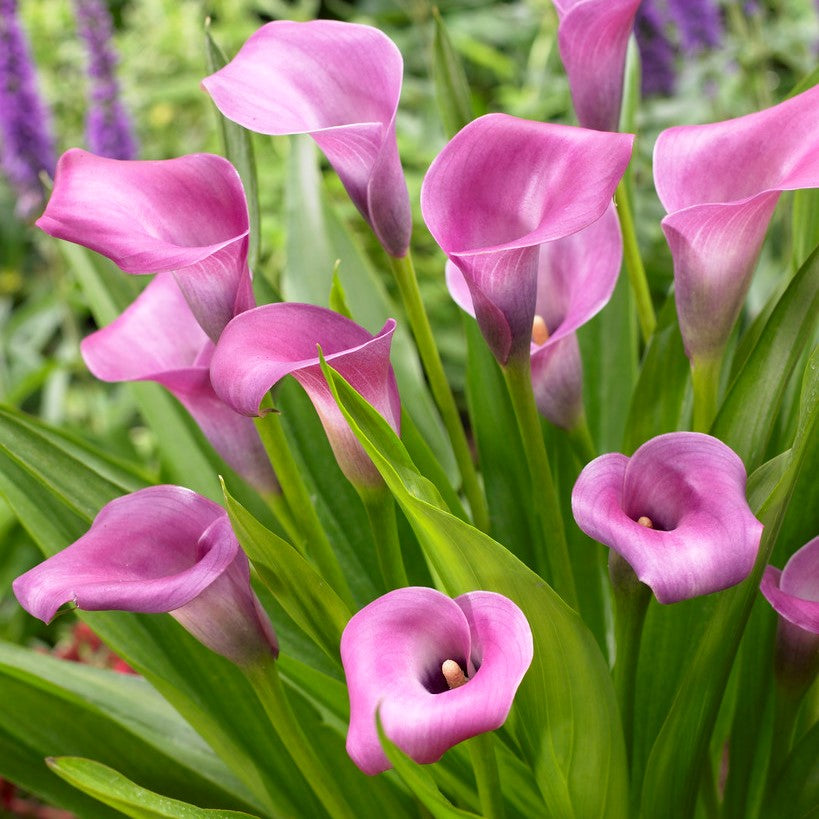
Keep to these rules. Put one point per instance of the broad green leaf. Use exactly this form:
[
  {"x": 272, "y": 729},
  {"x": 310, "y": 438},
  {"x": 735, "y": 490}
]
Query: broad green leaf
[
  {"x": 238, "y": 145},
  {"x": 117, "y": 718},
  {"x": 114, "y": 789},
  {"x": 748, "y": 413},
  {"x": 451, "y": 88},
  {"x": 805, "y": 224},
  {"x": 420, "y": 782},
  {"x": 565, "y": 717},
  {"x": 796, "y": 791},
  {"x": 297, "y": 586}
]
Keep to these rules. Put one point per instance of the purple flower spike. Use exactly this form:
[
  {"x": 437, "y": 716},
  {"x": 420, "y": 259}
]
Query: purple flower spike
[
  {"x": 340, "y": 83},
  {"x": 720, "y": 184},
  {"x": 794, "y": 591},
  {"x": 502, "y": 187},
  {"x": 394, "y": 652},
  {"x": 186, "y": 215},
  {"x": 262, "y": 346},
  {"x": 592, "y": 36},
  {"x": 158, "y": 339},
  {"x": 675, "y": 511},
  {"x": 161, "y": 549}
]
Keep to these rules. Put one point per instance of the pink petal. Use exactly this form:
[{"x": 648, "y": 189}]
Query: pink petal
[
  {"x": 502, "y": 187},
  {"x": 557, "y": 381},
  {"x": 392, "y": 651},
  {"x": 186, "y": 215},
  {"x": 161, "y": 549},
  {"x": 593, "y": 37},
  {"x": 720, "y": 184},
  {"x": 794, "y": 592},
  {"x": 261, "y": 346},
  {"x": 692, "y": 487},
  {"x": 158, "y": 339},
  {"x": 340, "y": 83}
]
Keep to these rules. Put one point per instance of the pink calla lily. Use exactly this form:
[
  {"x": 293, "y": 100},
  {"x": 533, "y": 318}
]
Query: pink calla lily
[
  {"x": 720, "y": 184},
  {"x": 575, "y": 279},
  {"x": 675, "y": 511},
  {"x": 260, "y": 347},
  {"x": 161, "y": 549},
  {"x": 185, "y": 215},
  {"x": 158, "y": 339},
  {"x": 501, "y": 188},
  {"x": 593, "y": 36},
  {"x": 340, "y": 83},
  {"x": 794, "y": 591},
  {"x": 393, "y": 651}
]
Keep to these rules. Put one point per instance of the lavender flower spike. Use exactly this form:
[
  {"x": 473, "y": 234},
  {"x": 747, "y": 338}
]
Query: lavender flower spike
[
  {"x": 260, "y": 347},
  {"x": 699, "y": 23},
  {"x": 720, "y": 184},
  {"x": 656, "y": 52},
  {"x": 501, "y": 188},
  {"x": 26, "y": 144},
  {"x": 161, "y": 549},
  {"x": 675, "y": 511},
  {"x": 437, "y": 670},
  {"x": 108, "y": 127},
  {"x": 340, "y": 83},
  {"x": 593, "y": 36}
]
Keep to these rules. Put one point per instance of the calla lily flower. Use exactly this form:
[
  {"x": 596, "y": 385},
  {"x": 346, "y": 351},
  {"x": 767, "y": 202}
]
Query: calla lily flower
[
  {"x": 675, "y": 511},
  {"x": 185, "y": 215},
  {"x": 158, "y": 339},
  {"x": 501, "y": 188},
  {"x": 339, "y": 83},
  {"x": 161, "y": 549},
  {"x": 260, "y": 347},
  {"x": 437, "y": 670},
  {"x": 720, "y": 184},
  {"x": 593, "y": 36},
  {"x": 575, "y": 279},
  {"x": 794, "y": 591}
]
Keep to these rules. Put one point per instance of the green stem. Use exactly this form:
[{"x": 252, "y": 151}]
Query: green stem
[
  {"x": 300, "y": 503},
  {"x": 705, "y": 380},
  {"x": 485, "y": 765},
  {"x": 264, "y": 677},
  {"x": 555, "y": 552},
  {"x": 441, "y": 392},
  {"x": 581, "y": 441},
  {"x": 634, "y": 264},
  {"x": 631, "y": 599},
  {"x": 380, "y": 506}
]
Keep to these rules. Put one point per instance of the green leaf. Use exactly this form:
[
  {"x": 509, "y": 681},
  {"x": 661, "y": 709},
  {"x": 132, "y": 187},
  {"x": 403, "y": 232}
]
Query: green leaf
[
  {"x": 451, "y": 88},
  {"x": 747, "y": 416},
  {"x": 296, "y": 585},
  {"x": 338, "y": 298},
  {"x": 565, "y": 716},
  {"x": 116, "y": 790},
  {"x": 805, "y": 224},
  {"x": 796, "y": 791},
  {"x": 238, "y": 146},
  {"x": 420, "y": 782}
]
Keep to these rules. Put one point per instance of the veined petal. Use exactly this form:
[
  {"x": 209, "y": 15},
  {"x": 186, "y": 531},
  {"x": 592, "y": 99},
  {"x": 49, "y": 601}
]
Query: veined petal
[
  {"x": 158, "y": 339},
  {"x": 186, "y": 215},
  {"x": 259, "y": 347},
  {"x": 502, "y": 187},
  {"x": 340, "y": 83},
  {"x": 720, "y": 184},
  {"x": 691, "y": 487},
  {"x": 593, "y": 37},
  {"x": 393, "y": 650},
  {"x": 160, "y": 549},
  {"x": 794, "y": 591}
]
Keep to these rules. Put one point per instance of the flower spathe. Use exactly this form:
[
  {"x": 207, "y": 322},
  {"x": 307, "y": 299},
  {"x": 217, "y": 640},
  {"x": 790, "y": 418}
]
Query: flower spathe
[
  {"x": 186, "y": 215},
  {"x": 158, "y": 339},
  {"x": 575, "y": 279},
  {"x": 259, "y": 347},
  {"x": 393, "y": 651},
  {"x": 502, "y": 187},
  {"x": 675, "y": 511},
  {"x": 794, "y": 591},
  {"x": 160, "y": 549},
  {"x": 593, "y": 36},
  {"x": 719, "y": 184},
  {"x": 339, "y": 83}
]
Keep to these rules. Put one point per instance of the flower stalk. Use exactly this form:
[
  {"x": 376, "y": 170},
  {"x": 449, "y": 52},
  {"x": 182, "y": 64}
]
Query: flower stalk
[{"x": 380, "y": 506}]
